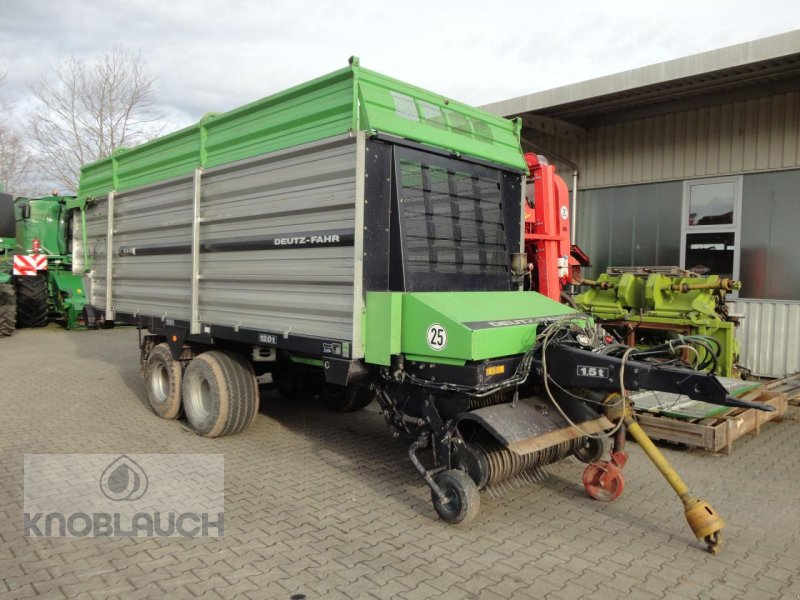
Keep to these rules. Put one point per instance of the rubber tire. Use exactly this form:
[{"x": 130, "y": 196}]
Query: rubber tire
[
  {"x": 465, "y": 500},
  {"x": 32, "y": 301},
  {"x": 245, "y": 398},
  {"x": 232, "y": 393},
  {"x": 593, "y": 449},
  {"x": 8, "y": 309},
  {"x": 161, "y": 358},
  {"x": 349, "y": 398}
]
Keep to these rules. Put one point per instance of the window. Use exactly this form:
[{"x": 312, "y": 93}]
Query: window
[
  {"x": 770, "y": 243},
  {"x": 710, "y": 229},
  {"x": 711, "y": 203},
  {"x": 633, "y": 225}
]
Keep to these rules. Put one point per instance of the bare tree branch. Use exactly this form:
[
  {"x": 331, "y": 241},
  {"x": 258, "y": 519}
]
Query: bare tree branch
[
  {"x": 86, "y": 111},
  {"x": 15, "y": 158},
  {"x": 15, "y": 162}
]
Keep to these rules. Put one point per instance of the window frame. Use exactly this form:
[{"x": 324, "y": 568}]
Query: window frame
[{"x": 735, "y": 227}]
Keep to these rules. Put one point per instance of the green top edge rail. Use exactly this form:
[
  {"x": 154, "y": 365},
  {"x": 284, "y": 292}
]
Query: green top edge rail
[{"x": 347, "y": 100}]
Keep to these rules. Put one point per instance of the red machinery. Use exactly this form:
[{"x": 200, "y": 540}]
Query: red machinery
[{"x": 552, "y": 260}]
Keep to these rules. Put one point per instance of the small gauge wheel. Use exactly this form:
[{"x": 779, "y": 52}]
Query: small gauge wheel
[
  {"x": 462, "y": 499},
  {"x": 603, "y": 481}
]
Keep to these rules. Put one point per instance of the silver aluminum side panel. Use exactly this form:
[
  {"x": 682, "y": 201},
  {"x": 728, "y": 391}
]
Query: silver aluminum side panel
[
  {"x": 148, "y": 285},
  {"x": 769, "y": 335},
  {"x": 300, "y": 290}
]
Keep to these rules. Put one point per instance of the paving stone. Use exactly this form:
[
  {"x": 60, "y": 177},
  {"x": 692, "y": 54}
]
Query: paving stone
[{"x": 327, "y": 505}]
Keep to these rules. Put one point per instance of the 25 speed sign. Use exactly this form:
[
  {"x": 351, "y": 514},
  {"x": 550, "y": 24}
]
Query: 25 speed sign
[{"x": 437, "y": 337}]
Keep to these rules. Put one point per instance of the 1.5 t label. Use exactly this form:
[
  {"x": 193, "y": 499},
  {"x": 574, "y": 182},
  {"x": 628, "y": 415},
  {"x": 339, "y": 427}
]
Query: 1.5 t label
[{"x": 584, "y": 371}]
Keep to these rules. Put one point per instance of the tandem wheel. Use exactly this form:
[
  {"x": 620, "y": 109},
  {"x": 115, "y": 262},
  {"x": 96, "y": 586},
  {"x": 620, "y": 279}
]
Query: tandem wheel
[{"x": 462, "y": 498}]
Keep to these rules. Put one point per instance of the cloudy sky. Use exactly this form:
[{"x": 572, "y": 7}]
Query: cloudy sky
[{"x": 215, "y": 55}]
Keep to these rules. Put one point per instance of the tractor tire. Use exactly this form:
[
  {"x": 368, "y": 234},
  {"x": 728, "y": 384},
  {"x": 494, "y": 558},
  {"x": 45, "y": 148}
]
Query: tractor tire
[
  {"x": 32, "y": 301},
  {"x": 163, "y": 375},
  {"x": 350, "y": 398},
  {"x": 8, "y": 309},
  {"x": 220, "y": 393}
]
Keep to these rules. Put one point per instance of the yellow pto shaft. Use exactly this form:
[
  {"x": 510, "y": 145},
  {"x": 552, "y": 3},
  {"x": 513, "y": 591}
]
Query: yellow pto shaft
[{"x": 705, "y": 522}]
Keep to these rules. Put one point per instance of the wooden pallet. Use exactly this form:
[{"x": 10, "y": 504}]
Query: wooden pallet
[
  {"x": 788, "y": 385},
  {"x": 718, "y": 433}
]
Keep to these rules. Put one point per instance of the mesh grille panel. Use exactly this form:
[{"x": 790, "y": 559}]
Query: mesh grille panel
[{"x": 452, "y": 221}]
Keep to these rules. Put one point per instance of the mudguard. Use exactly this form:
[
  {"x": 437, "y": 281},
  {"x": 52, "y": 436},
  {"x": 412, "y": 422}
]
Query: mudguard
[{"x": 531, "y": 424}]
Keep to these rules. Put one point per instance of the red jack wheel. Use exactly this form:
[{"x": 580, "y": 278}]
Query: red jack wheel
[{"x": 603, "y": 481}]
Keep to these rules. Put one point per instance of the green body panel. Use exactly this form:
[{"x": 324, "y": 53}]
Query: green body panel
[
  {"x": 48, "y": 223},
  {"x": 478, "y": 325},
  {"x": 347, "y": 100},
  {"x": 7, "y": 245},
  {"x": 650, "y": 300},
  {"x": 66, "y": 294},
  {"x": 391, "y": 106},
  {"x": 382, "y": 327}
]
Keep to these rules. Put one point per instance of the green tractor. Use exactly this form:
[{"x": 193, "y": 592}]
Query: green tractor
[
  {"x": 8, "y": 296},
  {"x": 36, "y": 278}
]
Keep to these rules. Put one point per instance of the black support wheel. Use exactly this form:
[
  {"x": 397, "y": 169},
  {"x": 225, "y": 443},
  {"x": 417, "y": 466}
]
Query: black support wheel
[
  {"x": 32, "y": 300},
  {"x": 350, "y": 398},
  {"x": 163, "y": 375},
  {"x": 592, "y": 449},
  {"x": 463, "y": 500},
  {"x": 220, "y": 393}
]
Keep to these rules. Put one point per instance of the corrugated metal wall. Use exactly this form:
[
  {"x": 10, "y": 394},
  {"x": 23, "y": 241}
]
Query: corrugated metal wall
[
  {"x": 768, "y": 337},
  {"x": 305, "y": 290},
  {"x": 760, "y": 134}
]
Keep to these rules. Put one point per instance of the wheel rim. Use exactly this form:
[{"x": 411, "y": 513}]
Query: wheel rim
[
  {"x": 587, "y": 450},
  {"x": 199, "y": 400},
  {"x": 603, "y": 481},
  {"x": 159, "y": 383},
  {"x": 452, "y": 505}
]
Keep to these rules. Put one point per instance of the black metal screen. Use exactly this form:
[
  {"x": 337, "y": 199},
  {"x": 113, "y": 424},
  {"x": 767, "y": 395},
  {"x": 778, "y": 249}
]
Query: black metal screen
[{"x": 452, "y": 221}]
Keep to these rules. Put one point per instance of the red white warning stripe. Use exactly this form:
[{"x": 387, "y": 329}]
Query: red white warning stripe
[{"x": 29, "y": 264}]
